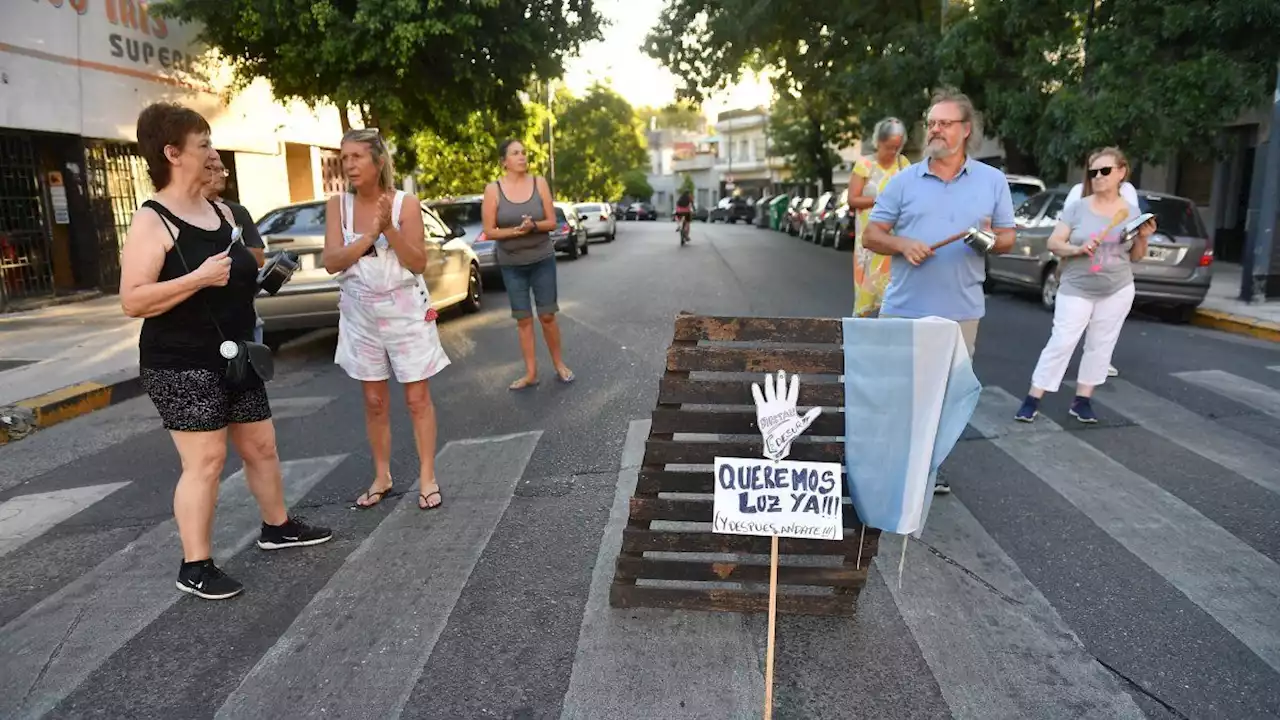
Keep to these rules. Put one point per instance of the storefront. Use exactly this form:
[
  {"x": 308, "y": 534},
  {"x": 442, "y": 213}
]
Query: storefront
[{"x": 74, "y": 74}]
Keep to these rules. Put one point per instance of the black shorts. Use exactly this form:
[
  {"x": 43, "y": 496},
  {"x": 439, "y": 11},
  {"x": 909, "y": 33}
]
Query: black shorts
[{"x": 199, "y": 401}]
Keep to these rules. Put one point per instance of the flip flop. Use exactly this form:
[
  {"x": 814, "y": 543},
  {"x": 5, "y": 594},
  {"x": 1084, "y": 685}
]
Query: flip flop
[
  {"x": 427, "y": 499},
  {"x": 380, "y": 495},
  {"x": 522, "y": 384},
  {"x": 565, "y": 376}
]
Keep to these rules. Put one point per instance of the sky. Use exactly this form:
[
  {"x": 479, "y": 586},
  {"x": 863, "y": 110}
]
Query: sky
[{"x": 619, "y": 62}]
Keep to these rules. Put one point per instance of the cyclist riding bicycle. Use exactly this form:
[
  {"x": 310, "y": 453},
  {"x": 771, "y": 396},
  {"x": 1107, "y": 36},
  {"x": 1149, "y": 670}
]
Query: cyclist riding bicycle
[{"x": 684, "y": 212}]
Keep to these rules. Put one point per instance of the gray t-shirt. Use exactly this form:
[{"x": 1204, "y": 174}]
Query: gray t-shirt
[{"x": 1108, "y": 270}]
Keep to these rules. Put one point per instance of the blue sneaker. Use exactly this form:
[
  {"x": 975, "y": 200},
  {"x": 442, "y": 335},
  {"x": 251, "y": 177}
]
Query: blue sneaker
[
  {"x": 1030, "y": 408},
  {"x": 1082, "y": 410}
]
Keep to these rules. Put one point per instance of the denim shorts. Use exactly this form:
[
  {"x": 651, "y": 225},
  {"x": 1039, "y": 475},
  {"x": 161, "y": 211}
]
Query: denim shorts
[{"x": 538, "y": 278}]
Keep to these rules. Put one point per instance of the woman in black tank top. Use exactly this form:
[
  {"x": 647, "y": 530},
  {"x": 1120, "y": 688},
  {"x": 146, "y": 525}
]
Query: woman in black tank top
[{"x": 181, "y": 270}]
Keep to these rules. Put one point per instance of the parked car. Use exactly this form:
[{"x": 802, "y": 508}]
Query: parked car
[
  {"x": 837, "y": 227},
  {"x": 599, "y": 220},
  {"x": 310, "y": 299},
  {"x": 811, "y": 228},
  {"x": 731, "y": 210},
  {"x": 1023, "y": 187},
  {"x": 570, "y": 235},
  {"x": 791, "y": 219},
  {"x": 700, "y": 212},
  {"x": 641, "y": 211},
  {"x": 464, "y": 212},
  {"x": 1176, "y": 271}
]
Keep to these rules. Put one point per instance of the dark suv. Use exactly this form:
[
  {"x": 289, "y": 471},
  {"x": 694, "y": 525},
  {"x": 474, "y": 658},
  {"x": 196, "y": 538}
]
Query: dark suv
[{"x": 733, "y": 209}]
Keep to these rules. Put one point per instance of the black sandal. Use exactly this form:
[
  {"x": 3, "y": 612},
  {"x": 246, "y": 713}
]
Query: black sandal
[
  {"x": 427, "y": 499},
  {"x": 380, "y": 495}
]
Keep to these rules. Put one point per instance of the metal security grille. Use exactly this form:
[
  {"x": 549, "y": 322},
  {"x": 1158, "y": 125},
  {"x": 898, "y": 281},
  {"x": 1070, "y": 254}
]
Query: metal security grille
[
  {"x": 26, "y": 247},
  {"x": 118, "y": 184},
  {"x": 331, "y": 172}
]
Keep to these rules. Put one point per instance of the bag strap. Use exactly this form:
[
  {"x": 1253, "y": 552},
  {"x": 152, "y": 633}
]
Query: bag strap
[{"x": 162, "y": 211}]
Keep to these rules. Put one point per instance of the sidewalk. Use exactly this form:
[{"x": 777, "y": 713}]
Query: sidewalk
[
  {"x": 1223, "y": 309},
  {"x": 63, "y": 361}
]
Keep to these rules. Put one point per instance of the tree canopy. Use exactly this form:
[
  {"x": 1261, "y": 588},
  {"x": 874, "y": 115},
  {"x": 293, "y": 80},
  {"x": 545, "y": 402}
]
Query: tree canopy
[
  {"x": 406, "y": 65},
  {"x": 1163, "y": 75},
  {"x": 597, "y": 140}
]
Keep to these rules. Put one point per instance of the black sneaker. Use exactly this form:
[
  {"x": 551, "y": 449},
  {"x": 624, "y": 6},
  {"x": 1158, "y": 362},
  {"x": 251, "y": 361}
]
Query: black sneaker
[
  {"x": 206, "y": 580},
  {"x": 293, "y": 533},
  {"x": 1030, "y": 408},
  {"x": 1082, "y": 410},
  {"x": 942, "y": 487}
]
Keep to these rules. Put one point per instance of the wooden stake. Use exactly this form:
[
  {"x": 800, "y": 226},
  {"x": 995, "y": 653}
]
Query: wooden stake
[
  {"x": 773, "y": 615},
  {"x": 862, "y": 535}
]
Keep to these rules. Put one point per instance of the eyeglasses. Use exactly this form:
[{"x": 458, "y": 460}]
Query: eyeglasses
[
  {"x": 941, "y": 124},
  {"x": 1103, "y": 171}
]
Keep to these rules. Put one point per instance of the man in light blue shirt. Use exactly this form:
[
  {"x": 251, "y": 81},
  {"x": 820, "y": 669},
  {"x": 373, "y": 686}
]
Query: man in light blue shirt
[{"x": 942, "y": 195}]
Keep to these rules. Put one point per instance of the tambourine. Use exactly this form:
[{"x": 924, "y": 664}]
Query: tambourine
[
  {"x": 1130, "y": 231},
  {"x": 277, "y": 272}
]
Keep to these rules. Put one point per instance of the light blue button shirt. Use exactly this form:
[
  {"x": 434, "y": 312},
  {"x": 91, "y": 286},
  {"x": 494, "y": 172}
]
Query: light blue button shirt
[{"x": 921, "y": 206}]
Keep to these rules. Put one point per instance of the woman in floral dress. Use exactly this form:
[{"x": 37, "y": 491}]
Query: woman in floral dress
[{"x": 871, "y": 271}]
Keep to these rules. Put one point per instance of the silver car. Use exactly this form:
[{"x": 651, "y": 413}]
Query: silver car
[
  {"x": 598, "y": 219},
  {"x": 464, "y": 212},
  {"x": 310, "y": 299},
  {"x": 1176, "y": 271}
]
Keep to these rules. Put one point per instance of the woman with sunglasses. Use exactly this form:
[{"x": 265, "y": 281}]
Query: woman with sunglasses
[{"x": 1096, "y": 291}]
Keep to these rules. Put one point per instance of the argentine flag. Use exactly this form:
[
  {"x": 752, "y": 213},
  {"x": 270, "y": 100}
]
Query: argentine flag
[{"x": 909, "y": 393}]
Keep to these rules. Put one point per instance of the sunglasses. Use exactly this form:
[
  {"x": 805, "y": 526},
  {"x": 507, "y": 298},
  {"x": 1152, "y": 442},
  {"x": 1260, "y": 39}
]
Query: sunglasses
[{"x": 1103, "y": 171}]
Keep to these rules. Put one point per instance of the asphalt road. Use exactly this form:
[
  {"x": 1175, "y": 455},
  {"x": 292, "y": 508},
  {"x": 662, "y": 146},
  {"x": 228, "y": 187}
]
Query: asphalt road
[{"x": 1131, "y": 569}]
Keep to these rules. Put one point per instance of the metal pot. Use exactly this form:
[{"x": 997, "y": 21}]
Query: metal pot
[
  {"x": 277, "y": 272},
  {"x": 982, "y": 241}
]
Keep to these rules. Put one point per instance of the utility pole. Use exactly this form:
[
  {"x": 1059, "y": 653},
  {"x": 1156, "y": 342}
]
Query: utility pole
[
  {"x": 1262, "y": 238},
  {"x": 551, "y": 143}
]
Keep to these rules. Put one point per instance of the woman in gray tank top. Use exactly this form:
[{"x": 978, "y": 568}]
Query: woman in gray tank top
[{"x": 518, "y": 214}]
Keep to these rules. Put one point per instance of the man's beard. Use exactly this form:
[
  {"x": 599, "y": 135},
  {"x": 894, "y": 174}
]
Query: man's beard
[{"x": 937, "y": 148}]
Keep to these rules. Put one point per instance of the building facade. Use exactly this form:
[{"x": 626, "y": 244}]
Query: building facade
[{"x": 74, "y": 74}]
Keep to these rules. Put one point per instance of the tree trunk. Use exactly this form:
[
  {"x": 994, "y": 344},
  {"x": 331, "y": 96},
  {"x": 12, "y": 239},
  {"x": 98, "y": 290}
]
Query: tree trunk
[
  {"x": 344, "y": 118},
  {"x": 1017, "y": 161}
]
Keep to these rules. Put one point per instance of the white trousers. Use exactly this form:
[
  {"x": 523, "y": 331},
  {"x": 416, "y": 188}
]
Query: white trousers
[{"x": 1103, "y": 317}]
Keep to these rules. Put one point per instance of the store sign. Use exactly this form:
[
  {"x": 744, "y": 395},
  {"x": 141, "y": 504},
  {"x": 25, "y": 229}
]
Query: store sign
[{"x": 126, "y": 34}]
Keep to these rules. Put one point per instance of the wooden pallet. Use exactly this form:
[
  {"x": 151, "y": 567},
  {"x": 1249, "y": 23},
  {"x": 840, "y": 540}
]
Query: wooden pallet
[{"x": 698, "y": 395}]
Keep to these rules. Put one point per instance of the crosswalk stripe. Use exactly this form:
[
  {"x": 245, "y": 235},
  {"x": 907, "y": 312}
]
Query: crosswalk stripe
[
  {"x": 50, "y": 649},
  {"x": 646, "y": 663},
  {"x": 296, "y": 407},
  {"x": 1235, "y": 584},
  {"x": 1236, "y": 452},
  {"x": 1025, "y": 661},
  {"x": 1242, "y": 390},
  {"x": 26, "y": 517},
  {"x": 388, "y": 627}
]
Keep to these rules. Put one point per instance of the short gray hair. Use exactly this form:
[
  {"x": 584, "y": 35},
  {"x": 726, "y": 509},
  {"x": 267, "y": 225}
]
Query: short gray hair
[
  {"x": 889, "y": 127},
  {"x": 967, "y": 112}
]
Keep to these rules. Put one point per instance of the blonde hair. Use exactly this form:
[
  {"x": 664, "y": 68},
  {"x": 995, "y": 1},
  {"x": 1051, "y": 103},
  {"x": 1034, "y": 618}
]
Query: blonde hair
[
  {"x": 1121, "y": 161},
  {"x": 379, "y": 152}
]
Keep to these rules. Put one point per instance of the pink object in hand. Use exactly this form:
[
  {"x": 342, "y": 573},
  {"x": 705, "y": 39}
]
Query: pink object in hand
[{"x": 432, "y": 315}]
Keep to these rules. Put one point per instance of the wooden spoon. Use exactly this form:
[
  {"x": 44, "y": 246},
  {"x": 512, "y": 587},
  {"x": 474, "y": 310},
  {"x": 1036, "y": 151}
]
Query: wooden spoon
[{"x": 958, "y": 236}]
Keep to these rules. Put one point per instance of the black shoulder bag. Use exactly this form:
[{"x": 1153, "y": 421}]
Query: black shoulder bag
[{"x": 250, "y": 358}]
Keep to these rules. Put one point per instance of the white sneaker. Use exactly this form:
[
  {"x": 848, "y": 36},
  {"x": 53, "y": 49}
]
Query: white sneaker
[{"x": 1112, "y": 371}]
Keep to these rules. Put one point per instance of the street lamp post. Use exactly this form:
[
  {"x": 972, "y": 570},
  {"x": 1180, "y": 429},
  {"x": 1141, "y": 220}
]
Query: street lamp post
[{"x": 1262, "y": 238}]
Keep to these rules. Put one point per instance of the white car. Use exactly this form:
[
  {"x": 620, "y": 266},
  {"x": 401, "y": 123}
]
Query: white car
[{"x": 598, "y": 219}]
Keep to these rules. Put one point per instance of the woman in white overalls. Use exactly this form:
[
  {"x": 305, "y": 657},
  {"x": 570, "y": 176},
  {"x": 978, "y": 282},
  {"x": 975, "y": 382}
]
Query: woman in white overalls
[{"x": 374, "y": 242}]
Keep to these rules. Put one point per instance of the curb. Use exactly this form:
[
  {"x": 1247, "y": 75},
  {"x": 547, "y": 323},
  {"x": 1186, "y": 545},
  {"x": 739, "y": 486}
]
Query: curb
[
  {"x": 1237, "y": 324},
  {"x": 76, "y": 400}
]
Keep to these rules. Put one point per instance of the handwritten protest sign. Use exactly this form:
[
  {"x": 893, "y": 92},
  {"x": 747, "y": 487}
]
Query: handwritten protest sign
[
  {"x": 780, "y": 498},
  {"x": 776, "y": 497}
]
